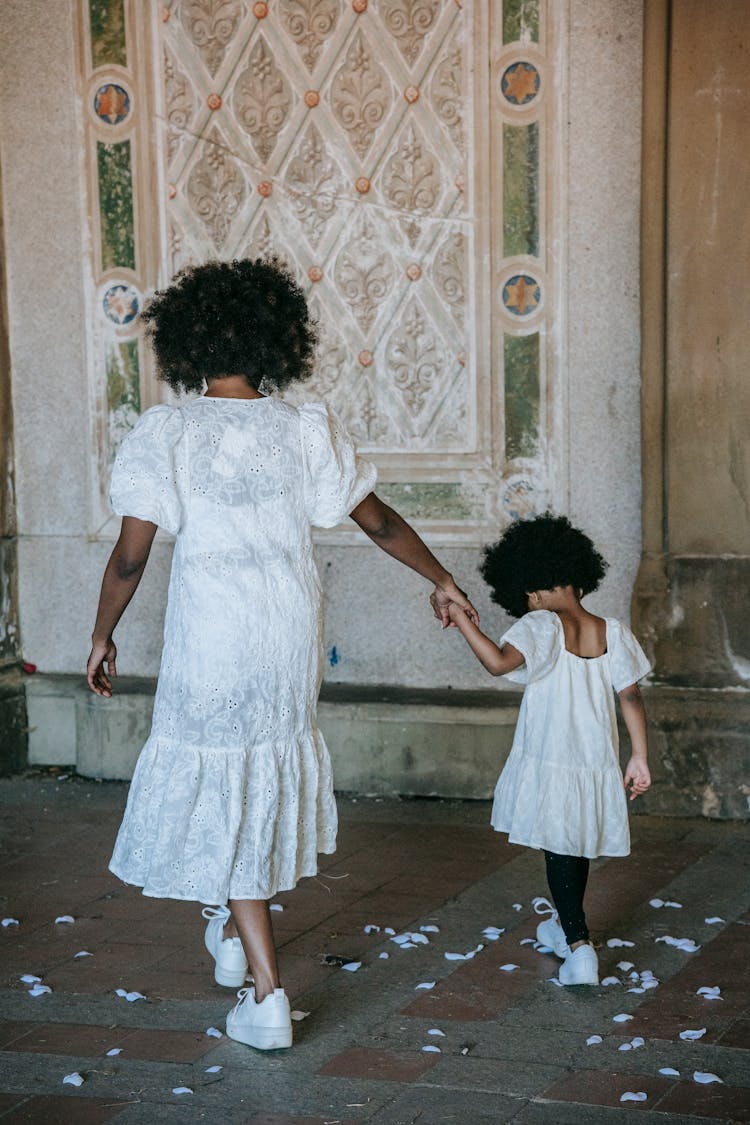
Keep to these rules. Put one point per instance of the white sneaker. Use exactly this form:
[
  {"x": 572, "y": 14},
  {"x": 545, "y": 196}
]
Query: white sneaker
[
  {"x": 580, "y": 967},
  {"x": 267, "y": 1025},
  {"x": 231, "y": 962},
  {"x": 550, "y": 932}
]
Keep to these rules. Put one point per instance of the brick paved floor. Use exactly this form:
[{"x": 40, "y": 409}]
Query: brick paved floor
[{"x": 513, "y": 1044}]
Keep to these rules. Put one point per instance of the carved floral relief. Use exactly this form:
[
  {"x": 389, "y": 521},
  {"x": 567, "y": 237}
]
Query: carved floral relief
[
  {"x": 216, "y": 188},
  {"x": 364, "y": 271},
  {"x": 409, "y": 21},
  {"x": 308, "y": 22},
  {"x": 211, "y": 25},
  {"x": 446, "y": 93},
  {"x": 314, "y": 184},
  {"x": 180, "y": 103},
  {"x": 262, "y": 99},
  {"x": 361, "y": 95},
  {"x": 415, "y": 357}
]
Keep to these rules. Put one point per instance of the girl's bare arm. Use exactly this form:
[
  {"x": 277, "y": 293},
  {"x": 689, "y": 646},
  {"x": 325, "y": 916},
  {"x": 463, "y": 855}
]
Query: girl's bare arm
[
  {"x": 637, "y": 777},
  {"x": 121, "y": 577},
  {"x": 496, "y": 660},
  {"x": 389, "y": 531}
]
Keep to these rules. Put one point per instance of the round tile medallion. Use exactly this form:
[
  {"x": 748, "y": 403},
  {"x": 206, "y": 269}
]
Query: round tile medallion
[
  {"x": 112, "y": 103},
  {"x": 520, "y": 83},
  {"x": 121, "y": 303},
  {"x": 521, "y": 294}
]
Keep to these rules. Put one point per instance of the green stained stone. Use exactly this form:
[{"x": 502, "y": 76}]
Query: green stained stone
[
  {"x": 520, "y": 21},
  {"x": 116, "y": 204},
  {"x": 107, "y": 21},
  {"x": 433, "y": 501},
  {"x": 521, "y": 189},
  {"x": 521, "y": 356},
  {"x": 123, "y": 378}
]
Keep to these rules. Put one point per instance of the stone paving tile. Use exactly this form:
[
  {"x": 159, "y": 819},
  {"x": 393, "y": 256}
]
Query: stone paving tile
[
  {"x": 387, "y": 1066},
  {"x": 737, "y": 1035},
  {"x": 722, "y": 1103},
  {"x": 591, "y": 1087},
  {"x": 284, "y": 1119},
  {"x": 447, "y": 1107},
  {"x": 62, "y": 1110}
]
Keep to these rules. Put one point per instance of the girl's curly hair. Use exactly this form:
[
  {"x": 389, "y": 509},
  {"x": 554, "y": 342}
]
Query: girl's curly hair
[
  {"x": 232, "y": 318},
  {"x": 538, "y": 554}
]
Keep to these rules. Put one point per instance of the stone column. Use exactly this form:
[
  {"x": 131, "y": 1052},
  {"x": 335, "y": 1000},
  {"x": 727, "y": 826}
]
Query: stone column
[
  {"x": 691, "y": 604},
  {"x": 13, "y": 727}
]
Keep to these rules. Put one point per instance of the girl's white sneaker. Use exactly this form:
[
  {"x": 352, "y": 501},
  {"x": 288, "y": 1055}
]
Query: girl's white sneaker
[
  {"x": 580, "y": 967},
  {"x": 231, "y": 962},
  {"x": 550, "y": 932},
  {"x": 267, "y": 1026}
]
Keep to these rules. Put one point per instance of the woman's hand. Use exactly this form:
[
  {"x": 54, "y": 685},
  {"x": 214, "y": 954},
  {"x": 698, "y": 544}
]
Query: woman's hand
[
  {"x": 637, "y": 777},
  {"x": 102, "y": 652},
  {"x": 447, "y": 593}
]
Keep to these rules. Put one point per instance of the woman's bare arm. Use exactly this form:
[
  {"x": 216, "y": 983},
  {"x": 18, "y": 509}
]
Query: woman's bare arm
[
  {"x": 389, "y": 531},
  {"x": 121, "y": 577}
]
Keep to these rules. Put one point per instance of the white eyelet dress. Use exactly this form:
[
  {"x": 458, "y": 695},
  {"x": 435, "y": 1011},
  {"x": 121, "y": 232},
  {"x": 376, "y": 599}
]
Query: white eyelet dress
[
  {"x": 561, "y": 788},
  {"x": 232, "y": 796}
]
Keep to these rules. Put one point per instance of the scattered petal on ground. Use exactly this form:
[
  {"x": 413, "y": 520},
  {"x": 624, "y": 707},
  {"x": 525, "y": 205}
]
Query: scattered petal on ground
[
  {"x": 617, "y": 943},
  {"x": 29, "y": 978},
  {"x": 408, "y": 945},
  {"x": 492, "y": 933},
  {"x": 687, "y": 945},
  {"x": 39, "y": 990},
  {"x": 625, "y": 1047},
  {"x": 67, "y": 918},
  {"x": 659, "y": 902},
  {"x": 623, "y": 1017},
  {"x": 181, "y": 1090},
  {"x": 509, "y": 967},
  {"x": 669, "y": 1071},
  {"x": 213, "y": 1069},
  {"x": 714, "y": 920},
  {"x": 432, "y": 1049},
  {"x": 129, "y": 996},
  {"x": 213, "y": 1032},
  {"x": 713, "y": 993},
  {"x": 10, "y": 922},
  {"x": 633, "y": 1096},
  {"x": 352, "y": 966},
  {"x": 113, "y": 1051},
  {"x": 383, "y": 956},
  {"x": 705, "y": 1077},
  {"x": 625, "y": 966},
  {"x": 517, "y": 906},
  {"x": 372, "y": 929},
  {"x": 73, "y": 1079},
  {"x": 82, "y": 953},
  {"x": 610, "y": 980},
  {"x": 690, "y": 1034},
  {"x": 276, "y": 906},
  {"x": 297, "y": 1015},
  {"x": 427, "y": 984},
  {"x": 638, "y": 990},
  {"x": 455, "y": 956},
  {"x": 528, "y": 941},
  {"x": 436, "y": 1031},
  {"x": 540, "y": 948},
  {"x": 389, "y": 930},
  {"x": 429, "y": 929},
  {"x": 639, "y": 1041},
  {"x": 592, "y": 1039}
]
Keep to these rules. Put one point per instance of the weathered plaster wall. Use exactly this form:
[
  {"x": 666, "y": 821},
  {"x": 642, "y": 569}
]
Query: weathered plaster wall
[{"x": 377, "y": 614}]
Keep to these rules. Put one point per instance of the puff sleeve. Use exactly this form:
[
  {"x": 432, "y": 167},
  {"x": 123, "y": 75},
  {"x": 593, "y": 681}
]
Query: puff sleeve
[
  {"x": 336, "y": 480},
  {"x": 536, "y": 635},
  {"x": 628, "y": 662},
  {"x": 148, "y": 476}
]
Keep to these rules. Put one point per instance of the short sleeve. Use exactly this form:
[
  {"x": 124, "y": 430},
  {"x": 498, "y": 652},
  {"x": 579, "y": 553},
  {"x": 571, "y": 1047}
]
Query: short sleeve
[
  {"x": 537, "y": 636},
  {"x": 336, "y": 479},
  {"x": 148, "y": 473},
  {"x": 628, "y": 662}
]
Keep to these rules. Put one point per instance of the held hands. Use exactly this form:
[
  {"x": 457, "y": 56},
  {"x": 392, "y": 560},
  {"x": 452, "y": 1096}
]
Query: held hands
[
  {"x": 447, "y": 595},
  {"x": 637, "y": 777},
  {"x": 103, "y": 652}
]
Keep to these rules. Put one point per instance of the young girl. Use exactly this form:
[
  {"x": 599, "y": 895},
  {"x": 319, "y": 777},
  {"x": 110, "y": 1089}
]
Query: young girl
[
  {"x": 561, "y": 789},
  {"x": 232, "y": 796}
]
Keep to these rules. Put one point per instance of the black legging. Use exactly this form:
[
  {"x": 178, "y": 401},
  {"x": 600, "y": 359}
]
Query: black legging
[{"x": 567, "y": 875}]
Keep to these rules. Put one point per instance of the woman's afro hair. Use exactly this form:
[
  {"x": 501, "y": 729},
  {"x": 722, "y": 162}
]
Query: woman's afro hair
[
  {"x": 539, "y": 554},
  {"x": 232, "y": 318}
]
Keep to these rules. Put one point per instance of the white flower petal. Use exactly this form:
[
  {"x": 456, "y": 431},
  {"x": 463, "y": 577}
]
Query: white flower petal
[
  {"x": 297, "y": 1015},
  {"x": 383, "y": 956},
  {"x": 509, "y": 968},
  {"x": 712, "y": 921},
  {"x": 669, "y": 1071},
  {"x": 39, "y": 990},
  {"x": 352, "y": 966},
  {"x": 74, "y": 1079},
  {"x": 9, "y": 922},
  {"x": 517, "y": 906},
  {"x": 82, "y": 953},
  {"x": 213, "y": 1032},
  {"x": 626, "y": 966},
  {"x": 429, "y": 929},
  {"x": 633, "y": 1096},
  {"x": 637, "y": 1042},
  {"x": 436, "y": 1031},
  {"x": 689, "y": 1033},
  {"x": 426, "y": 984},
  {"x": 623, "y": 1017},
  {"x": 713, "y": 993},
  {"x": 67, "y": 918},
  {"x": 277, "y": 906},
  {"x": 625, "y": 1047},
  {"x": 213, "y": 1069},
  {"x": 372, "y": 929},
  {"x": 705, "y": 1077},
  {"x": 619, "y": 943},
  {"x": 113, "y": 1051},
  {"x": 610, "y": 980},
  {"x": 29, "y": 978},
  {"x": 432, "y": 1049},
  {"x": 592, "y": 1039},
  {"x": 181, "y": 1090}
]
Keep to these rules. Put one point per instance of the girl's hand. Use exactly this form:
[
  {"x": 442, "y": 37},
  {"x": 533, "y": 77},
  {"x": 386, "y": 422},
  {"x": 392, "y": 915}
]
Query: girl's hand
[
  {"x": 103, "y": 652},
  {"x": 637, "y": 777},
  {"x": 448, "y": 593}
]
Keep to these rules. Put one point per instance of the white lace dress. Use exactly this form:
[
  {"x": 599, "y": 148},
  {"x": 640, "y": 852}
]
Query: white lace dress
[
  {"x": 232, "y": 796},
  {"x": 561, "y": 788}
]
